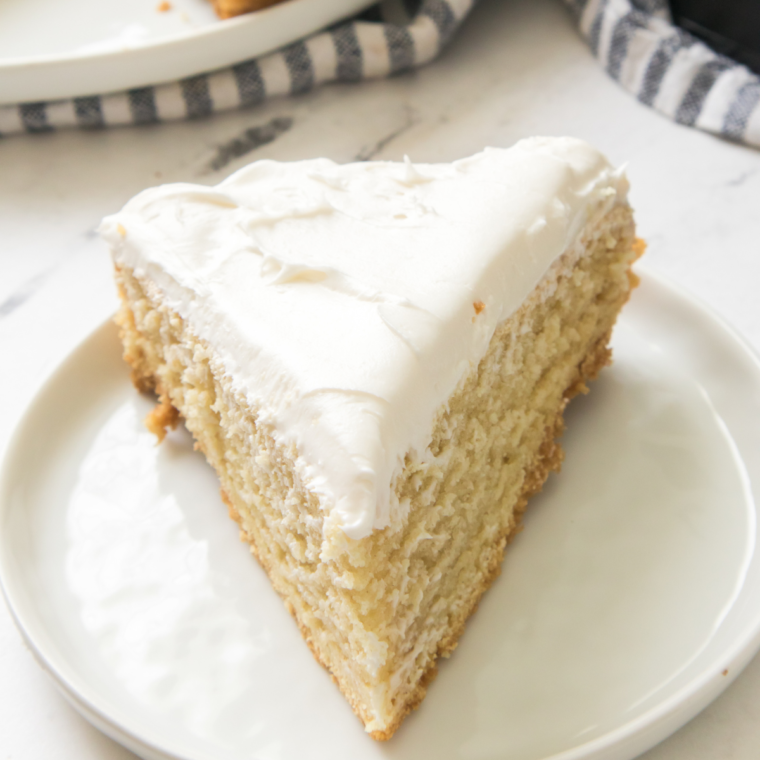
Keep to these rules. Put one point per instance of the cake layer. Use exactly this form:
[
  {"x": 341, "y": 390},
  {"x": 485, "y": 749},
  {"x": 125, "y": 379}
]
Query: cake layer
[
  {"x": 346, "y": 303},
  {"x": 380, "y": 612}
]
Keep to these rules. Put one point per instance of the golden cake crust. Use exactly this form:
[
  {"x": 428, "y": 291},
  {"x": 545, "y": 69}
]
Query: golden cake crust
[{"x": 230, "y": 8}]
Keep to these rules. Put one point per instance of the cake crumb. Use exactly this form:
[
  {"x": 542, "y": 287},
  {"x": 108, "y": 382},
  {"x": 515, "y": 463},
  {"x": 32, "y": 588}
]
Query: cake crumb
[
  {"x": 120, "y": 229},
  {"x": 478, "y": 306},
  {"x": 163, "y": 416},
  {"x": 164, "y": 6},
  {"x": 725, "y": 672}
]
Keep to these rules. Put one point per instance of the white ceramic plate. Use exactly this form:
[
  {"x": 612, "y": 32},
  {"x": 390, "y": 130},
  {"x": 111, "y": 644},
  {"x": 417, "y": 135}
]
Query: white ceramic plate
[
  {"x": 51, "y": 49},
  {"x": 629, "y": 602}
]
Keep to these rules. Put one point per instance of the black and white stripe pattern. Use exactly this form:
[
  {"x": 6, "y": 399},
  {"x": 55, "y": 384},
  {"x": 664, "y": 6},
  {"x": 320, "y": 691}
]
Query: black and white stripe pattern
[
  {"x": 670, "y": 70},
  {"x": 663, "y": 66},
  {"x": 390, "y": 37}
]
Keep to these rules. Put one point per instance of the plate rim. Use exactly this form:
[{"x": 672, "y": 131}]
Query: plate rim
[
  {"x": 624, "y": 742},
  {"x": 28, "y": 78}
]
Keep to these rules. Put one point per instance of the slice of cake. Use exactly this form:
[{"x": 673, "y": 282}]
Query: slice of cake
[
  {"x": 375, "y": 358},
  {"x": 230, "y": 8}
]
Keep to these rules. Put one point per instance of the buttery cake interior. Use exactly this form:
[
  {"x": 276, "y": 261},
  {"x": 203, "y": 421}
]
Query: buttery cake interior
[{"x": 379, "y": 609}]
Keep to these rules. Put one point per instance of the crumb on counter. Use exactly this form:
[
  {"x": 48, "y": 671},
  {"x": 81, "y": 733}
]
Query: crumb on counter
[
  {"x": 478, "y": 306},
  {"x": 164, "y": 6}
]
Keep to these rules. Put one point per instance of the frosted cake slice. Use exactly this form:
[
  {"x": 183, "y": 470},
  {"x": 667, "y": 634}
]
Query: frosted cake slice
[{"x": 375, "y": 358}]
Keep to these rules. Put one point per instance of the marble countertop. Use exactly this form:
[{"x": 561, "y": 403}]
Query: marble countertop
[{"x": 516, "y": 69}]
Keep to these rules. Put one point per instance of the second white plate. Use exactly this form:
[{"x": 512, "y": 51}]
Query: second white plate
[
  {"x": 52, "y": 49},
  {"x": 628, "y": 603}
]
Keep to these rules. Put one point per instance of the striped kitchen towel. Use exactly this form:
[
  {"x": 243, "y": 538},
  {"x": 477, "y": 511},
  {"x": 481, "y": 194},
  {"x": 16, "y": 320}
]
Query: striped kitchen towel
[
  {"x": 663, "y": 66},
  {"x": 669, "y": 69}
]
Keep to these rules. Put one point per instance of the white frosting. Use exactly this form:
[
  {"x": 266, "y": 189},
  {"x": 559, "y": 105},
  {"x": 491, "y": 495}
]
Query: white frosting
[{"x": 340, "y": 299}]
